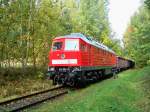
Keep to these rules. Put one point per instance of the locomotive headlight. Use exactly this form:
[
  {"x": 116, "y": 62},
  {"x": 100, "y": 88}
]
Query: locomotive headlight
[
  {"x": 51, "y": 68},
  {"x": 62, "y": 56}
]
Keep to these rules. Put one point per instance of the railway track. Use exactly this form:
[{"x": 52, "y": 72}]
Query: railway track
[{"x": 26, "y": 101}]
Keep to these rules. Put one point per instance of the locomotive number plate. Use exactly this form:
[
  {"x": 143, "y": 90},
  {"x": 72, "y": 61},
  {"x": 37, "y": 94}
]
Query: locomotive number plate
[{"x": 64, "y": 61}]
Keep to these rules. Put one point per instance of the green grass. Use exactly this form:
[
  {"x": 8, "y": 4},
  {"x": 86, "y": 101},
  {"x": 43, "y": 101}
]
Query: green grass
[{"x": 128, "y": 93}]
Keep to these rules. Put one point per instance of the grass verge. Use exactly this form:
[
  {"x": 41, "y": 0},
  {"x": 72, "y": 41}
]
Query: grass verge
[
  {"x": 22, "y": 84},
  {"x": 130, "y": 92}
]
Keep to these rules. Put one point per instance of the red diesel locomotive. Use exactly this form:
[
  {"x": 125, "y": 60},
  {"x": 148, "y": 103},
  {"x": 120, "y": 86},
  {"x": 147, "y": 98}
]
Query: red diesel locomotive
[{"x": 75, "y": 59}]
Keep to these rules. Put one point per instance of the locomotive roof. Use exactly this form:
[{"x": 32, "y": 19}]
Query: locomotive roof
[{"x": 89, "y": 40}]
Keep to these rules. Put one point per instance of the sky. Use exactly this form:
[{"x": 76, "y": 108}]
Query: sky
[{"x": 120, "y": 12}]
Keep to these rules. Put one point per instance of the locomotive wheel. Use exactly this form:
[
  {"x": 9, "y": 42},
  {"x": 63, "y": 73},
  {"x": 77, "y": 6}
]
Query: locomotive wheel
[
  {"x": 55, "y": 80},
  {"x": 71, "y": 82}
]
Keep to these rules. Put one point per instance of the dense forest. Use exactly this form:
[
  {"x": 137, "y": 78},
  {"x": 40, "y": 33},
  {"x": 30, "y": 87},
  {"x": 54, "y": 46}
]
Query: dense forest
[
  {"x": 28, "y": 26},
  {"x": 137, "y": 36}
]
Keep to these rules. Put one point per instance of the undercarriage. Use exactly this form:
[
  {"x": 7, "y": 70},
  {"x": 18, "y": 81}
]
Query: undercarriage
[{"x": 76, "y": 76}]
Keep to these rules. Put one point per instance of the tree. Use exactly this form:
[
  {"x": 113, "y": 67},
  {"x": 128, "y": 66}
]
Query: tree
[
  {"x": 147, "y": 3},
  {"x": 28, "y": 26},
  {"x": 137, "y": 37}
]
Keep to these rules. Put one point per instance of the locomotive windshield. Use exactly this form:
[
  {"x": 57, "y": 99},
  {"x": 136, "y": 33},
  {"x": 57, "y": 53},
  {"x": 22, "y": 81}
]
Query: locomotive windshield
[
  {"x": 72, "y": 44},
  {"x": 57, "y": 46}
]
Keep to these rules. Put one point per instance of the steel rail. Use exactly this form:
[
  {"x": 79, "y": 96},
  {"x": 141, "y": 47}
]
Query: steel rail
[
  {"x": 37, "y": 102},
  {"x": 21, "y": 98},
  {"x": 29, "y": 95}
]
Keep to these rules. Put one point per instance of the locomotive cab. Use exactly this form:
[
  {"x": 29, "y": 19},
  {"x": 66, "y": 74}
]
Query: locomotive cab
[
  {"x": 64, "y": 59},
  {"x": 64, "y": 52}
]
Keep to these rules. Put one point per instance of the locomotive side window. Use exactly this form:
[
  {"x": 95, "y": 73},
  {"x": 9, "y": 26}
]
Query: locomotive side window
[
  {"x": 83, "y": 47},
  {"x": 57, "y": 46},
  {"x": 72, "y": 44}
]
